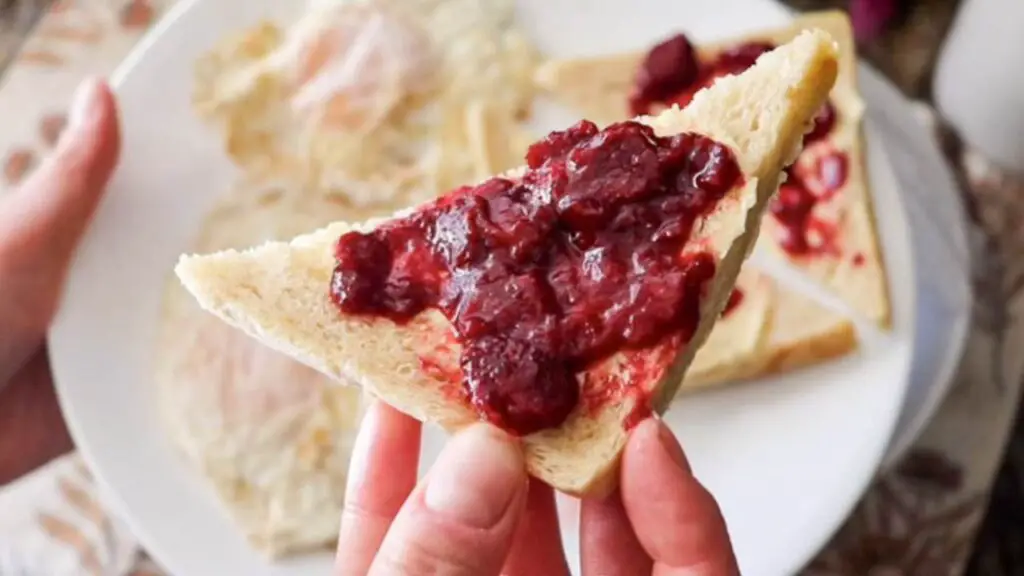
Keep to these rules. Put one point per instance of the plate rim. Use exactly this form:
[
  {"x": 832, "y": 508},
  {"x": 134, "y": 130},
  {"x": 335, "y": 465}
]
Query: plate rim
[
  {"x": 110, "y": 495},
  {"x": 905, "y": 436}
]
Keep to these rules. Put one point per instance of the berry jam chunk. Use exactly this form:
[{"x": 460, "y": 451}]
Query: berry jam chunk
[{"x": 543, "y": 275}]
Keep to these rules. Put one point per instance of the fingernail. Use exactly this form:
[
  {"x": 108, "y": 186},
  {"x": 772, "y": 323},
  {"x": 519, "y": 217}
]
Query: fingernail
[
  {"x": 477, "y": 477},
  {"x": 83, "y": 102},
  {"x": 671, "y": 446}
]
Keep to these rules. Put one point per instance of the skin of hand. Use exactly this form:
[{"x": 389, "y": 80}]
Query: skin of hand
[
  {"x": 41, "y": 223},
  {"x": 477, "y": 513}
]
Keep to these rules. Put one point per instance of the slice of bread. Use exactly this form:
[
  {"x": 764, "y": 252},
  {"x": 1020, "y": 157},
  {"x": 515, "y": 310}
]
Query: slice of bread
[
  {"x": 278, "y": 292},
  {"x": 854, "y": 271},
  {"x": 803, "y": 332},
  {"x": 739, "y": 336},
  {"x": 771, "y": 330},
  {"x": 598, "y": 88}
]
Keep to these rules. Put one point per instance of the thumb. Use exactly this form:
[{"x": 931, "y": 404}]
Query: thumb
[
  {"x": 461, "y": 519},
  {"x": 676, "y": 519},
  {"x": 42, "y": 221}
]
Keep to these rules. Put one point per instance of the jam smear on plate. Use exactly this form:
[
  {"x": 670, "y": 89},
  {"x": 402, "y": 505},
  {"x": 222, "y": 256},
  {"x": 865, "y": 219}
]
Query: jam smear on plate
[{"x": 547, "y": 273}]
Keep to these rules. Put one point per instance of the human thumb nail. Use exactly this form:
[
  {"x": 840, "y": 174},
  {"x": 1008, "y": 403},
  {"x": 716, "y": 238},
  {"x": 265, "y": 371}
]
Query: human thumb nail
[
  {"x": 83, "y": 103},
  {"x": 477, "y": 478},
  {"x": 670, "y": 446}
]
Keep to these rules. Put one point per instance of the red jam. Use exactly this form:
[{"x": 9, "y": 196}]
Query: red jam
[
  {"x": 671, "y": 74},
  {"x": 669, "y": 68},
  {"x": 808, "y": 184},
  {"x": 735, "y": 299},
  {"x": 544, "y": 275},
  {"x": 824, "y": 121}
]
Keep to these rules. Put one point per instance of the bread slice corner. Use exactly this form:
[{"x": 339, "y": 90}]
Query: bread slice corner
[
  {"x": 773, "y": 329},
  {"x": 278, "y": 292}
]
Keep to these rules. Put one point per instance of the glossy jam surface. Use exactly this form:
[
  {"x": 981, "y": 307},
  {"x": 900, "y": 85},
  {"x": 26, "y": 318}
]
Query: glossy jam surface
[
  {"x": 543, "y": 275},
  {"x": 672, "y": 73}
]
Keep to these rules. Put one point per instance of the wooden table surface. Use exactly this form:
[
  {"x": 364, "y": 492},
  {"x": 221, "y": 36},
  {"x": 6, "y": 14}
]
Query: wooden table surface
[{"x": 906, "y": 54}]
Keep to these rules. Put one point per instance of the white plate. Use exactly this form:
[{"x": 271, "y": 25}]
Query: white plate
[
  {"x": 787, "y": 459},
  {"x": 939, "y": 238}
]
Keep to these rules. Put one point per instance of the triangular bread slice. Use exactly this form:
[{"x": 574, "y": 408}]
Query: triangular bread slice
[
  {"x": 278, "y": 292},
  {"x": 598, "y": 88},
  {"x": 853, "y": 268}
]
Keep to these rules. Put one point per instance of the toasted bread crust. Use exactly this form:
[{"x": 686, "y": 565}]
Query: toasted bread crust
[{"x": 835, "y": 343}]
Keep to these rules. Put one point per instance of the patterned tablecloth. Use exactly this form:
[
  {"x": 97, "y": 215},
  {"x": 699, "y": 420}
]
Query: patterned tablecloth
[{"x": 918, "y": 519}]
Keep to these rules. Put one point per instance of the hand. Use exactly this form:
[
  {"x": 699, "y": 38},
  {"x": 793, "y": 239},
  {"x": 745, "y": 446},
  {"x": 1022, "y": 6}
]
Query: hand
[
  {"x": 477, "y": 514},
  {"x": 40, "y": 225}
]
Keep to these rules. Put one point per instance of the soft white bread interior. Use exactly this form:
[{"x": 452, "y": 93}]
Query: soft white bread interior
[{"x": 278, "y": 292}]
